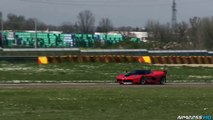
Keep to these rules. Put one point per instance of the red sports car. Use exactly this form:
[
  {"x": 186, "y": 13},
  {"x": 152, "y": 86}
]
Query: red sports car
[{"x": 143, "y": 77}]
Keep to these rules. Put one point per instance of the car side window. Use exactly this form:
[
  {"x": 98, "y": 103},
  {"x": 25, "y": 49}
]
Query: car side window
[{"x": 149, "y": 72}]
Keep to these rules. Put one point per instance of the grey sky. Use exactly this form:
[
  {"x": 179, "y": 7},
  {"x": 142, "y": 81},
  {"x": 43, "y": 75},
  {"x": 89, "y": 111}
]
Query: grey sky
[{"x": 121, "y": 12}]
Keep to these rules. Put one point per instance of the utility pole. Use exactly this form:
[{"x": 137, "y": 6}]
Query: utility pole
[
  {"x": 2, "y": 31},
  {"x": 35, "y": 37},
  {"x": 174, "y": 14}
]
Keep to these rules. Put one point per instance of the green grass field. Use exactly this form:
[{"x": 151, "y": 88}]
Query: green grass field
[
  {"x": 111, "y": 103},
  {"x": 140, "y": 103},
  {"x": 93, "y": 72}
]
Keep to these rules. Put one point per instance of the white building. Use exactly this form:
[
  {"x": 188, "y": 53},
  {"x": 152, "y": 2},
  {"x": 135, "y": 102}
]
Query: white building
[{"x": 142, "y": 35}]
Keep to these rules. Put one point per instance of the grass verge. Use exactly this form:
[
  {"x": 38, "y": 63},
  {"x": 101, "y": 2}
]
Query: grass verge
[{"x": 94, "y": 72}]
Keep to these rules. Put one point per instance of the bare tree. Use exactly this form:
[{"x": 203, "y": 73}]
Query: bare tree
[
  {"x": 86, "y": 21},
  {"x": 159, "y": 32},
  {"x": 15, "y": 22},
  {"x": 153, "y": 27},
  {"x": 67, "y": 27},
  {"x": 105, "y": 25},
  {"x": 195, "y": 35},
  {"x": 182, "y": 29},
  {"x": 207, "y": 32}
]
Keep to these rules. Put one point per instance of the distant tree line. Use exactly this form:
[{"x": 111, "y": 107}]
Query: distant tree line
[
  {"x": 195, "y": 34},
  {"x": 85, "y": 24}
]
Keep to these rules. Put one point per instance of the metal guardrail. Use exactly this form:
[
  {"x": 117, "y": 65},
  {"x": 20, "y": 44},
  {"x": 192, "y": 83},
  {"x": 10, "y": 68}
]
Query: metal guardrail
[
  {"x": 19, "y": 59},
  {"x": 26, "y": 52},
  {"x": 210, "y": 53},
  {"x": 132, "y": 52},
  {"x": 116, "y": 50},
  {"x": 76, "y": 51},
  {"x": 179, "y": 52}
]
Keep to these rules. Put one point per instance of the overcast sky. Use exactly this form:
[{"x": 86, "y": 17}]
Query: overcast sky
[{"x": 121, "y": 12}]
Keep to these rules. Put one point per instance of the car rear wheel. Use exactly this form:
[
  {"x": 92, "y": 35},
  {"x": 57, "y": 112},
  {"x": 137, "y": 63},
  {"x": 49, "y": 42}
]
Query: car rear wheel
[
  {"x": 143, "y": 80},
  {"x": 163, "y": 80}
]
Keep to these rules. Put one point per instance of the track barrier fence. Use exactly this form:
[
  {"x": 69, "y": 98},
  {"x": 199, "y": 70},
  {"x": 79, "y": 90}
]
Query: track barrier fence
[{"x": 128, "y": 59}]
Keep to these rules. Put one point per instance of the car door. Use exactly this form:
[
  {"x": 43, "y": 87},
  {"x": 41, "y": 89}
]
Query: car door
[{"x": 151, "y": 78}]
